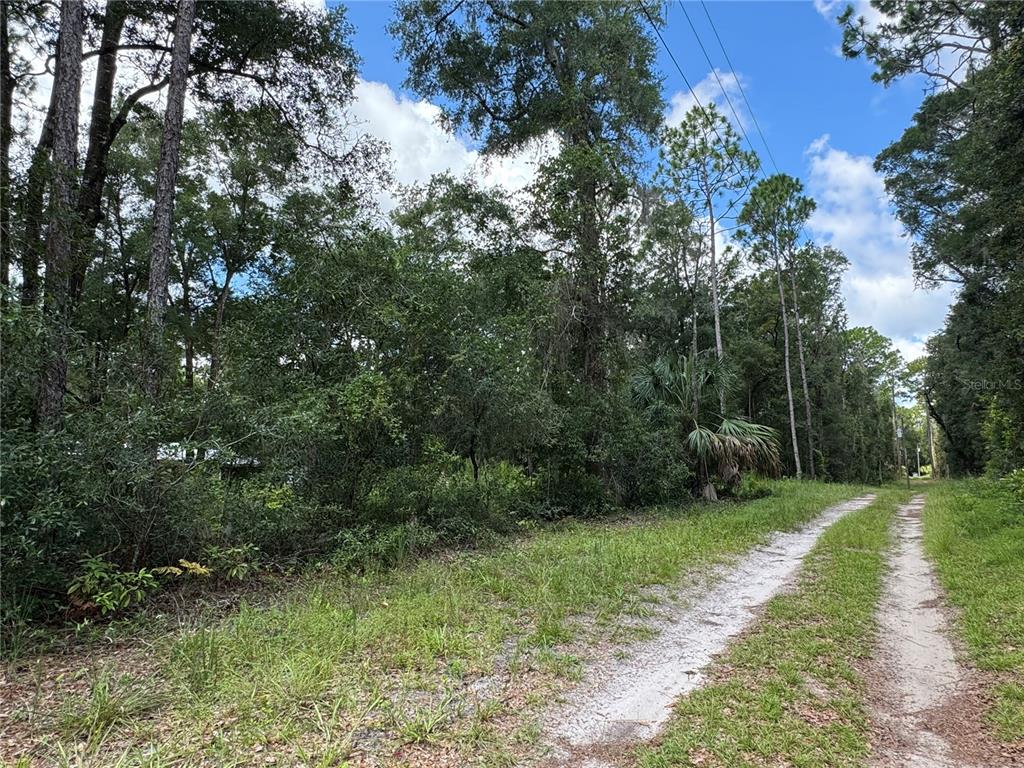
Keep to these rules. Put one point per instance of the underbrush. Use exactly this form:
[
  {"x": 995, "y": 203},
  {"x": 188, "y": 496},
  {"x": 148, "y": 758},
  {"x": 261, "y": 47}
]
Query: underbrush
[
  {"x": 974, "y": 532},
  {"x": 380, "y": 650}
]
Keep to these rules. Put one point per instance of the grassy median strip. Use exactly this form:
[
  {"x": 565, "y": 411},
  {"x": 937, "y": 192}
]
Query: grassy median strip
[
  {"x": 787, "y": 693},
  {"x": 974, "y": 533},
  {"x": 386, "y": 659}
]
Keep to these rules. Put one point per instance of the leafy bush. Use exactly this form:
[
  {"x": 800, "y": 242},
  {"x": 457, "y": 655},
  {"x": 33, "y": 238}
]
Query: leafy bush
[
  {"x": 1004, "y": 448},
  {"x": 1015, "y": 482},
  {"x": 108, "y": 587},
  {"x": 268, "y": 516},
  {"x": 232, "y": 563},
  {"x": 646, "y": 458},
  {"x": 752, "y": 487}
]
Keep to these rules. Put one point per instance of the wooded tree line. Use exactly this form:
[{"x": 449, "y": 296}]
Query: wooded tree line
[
  {"x": 217, "y": 349},
  {"x": 956, "y": 177}
]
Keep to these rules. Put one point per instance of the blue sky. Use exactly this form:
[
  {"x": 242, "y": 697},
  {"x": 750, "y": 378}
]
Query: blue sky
[{"x": 823, "y": 117}]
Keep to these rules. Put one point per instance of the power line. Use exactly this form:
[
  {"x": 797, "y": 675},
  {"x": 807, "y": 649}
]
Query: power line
[
  {"x": 721, "y": 85},
  {"x": 739, "y": 85},
  {"x": 696, "y": 99},
  {"x": 714, "y": 72},
  {"x": 736, "y": 78},
  {"x": 657, "y": 31}
]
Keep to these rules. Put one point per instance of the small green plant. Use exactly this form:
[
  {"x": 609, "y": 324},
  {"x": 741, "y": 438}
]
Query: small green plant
[
  {"x": 197, "y": 659},
  {"x": 426, "y": 724},
  {"x": 109, "y": 703},
  {"x": 108, "y": 587},
  {"x": 232, "y": 563},
  {"x": 1015, "y": 482}
]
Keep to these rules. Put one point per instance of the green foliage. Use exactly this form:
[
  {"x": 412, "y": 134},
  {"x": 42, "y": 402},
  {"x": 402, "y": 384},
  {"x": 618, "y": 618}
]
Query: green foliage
[
  {"x": 974, "y": 531},
  {"x": 955, "y": 178},
  {"x": 346, "y": 389},
  {"x": 508, "y": 74},
  {"x": 703, "y": 160},
  {"x": 231, "y": 563},
  {"x": 716, "y": 443},
  {"x": 102, "y": 583},
  {"x": 752, "y": 487},
  {"x": 1003, "y": 444}
]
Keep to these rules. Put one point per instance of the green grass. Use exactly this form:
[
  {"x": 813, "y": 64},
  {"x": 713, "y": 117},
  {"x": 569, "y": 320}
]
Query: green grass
[
  {"x": 389, "y": 653},
  {"x": 788, "y": 692},
  {"x": 974, "y": 533}
]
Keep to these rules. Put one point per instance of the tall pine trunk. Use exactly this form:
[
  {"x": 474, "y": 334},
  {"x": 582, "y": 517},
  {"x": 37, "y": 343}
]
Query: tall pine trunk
[
  {"x": 714, "y": 296},
  {"x": 7, "y": 84},
  {"x": 163, "y": 210},
  {"x": 100, "y": 139},
  {"x": 32, "y": 249},
  {"x": 789, "y": 380},
  {"x": 803, "y": 374},
  {"x": 218, "y": 327},
  {"x": 67, "y": 86},
  {"x": 714, "y": 281}
]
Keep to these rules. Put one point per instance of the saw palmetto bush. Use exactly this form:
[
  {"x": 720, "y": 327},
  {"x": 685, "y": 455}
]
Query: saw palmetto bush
[{"x": 720, "y": 446}]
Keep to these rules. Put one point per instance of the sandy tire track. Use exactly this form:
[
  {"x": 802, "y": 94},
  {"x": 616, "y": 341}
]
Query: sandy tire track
[
  {"x": 927, "y": 708},
  {"x": 623, "y": 702}
]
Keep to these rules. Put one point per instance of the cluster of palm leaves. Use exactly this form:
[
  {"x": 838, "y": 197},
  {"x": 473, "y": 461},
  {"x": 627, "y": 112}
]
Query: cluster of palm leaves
[{"x": 720, "y": 445}]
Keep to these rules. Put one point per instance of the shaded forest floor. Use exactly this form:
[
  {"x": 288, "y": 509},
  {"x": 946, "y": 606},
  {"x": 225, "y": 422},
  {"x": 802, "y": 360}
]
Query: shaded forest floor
[{"x": 455, "y": 661}]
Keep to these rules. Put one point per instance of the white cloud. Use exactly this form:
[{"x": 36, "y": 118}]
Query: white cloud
[
  {"x": 948, "y": 64},
  {"x": 854, "y": 216},
  {"x": 862, "y": 9},
  {"x": 709, "y": 91},
  {"x": 421, "y": 147},
  {"x": 313, "y": 5}
]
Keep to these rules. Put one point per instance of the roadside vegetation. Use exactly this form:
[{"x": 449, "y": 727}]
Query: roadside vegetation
[
  {"x": 233, "y": 344},
  {"x": 404, "y": 439},
  {"x": 432, "y": 657},
  {"x": 788, "y": 692},
  {"x": 974, "y": 533}
]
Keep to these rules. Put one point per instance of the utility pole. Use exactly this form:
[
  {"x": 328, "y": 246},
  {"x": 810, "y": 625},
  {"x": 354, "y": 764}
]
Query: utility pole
[
  {"x": 901, "y": 448},
  {"x": 931, "y": 443}
]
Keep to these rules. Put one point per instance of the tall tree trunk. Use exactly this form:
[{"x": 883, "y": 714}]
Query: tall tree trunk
[
  {"x": 94, "y": 172},
  {"x": 7, "y": 83},
  {"x": 67, "y": 85},
  {"x": 931, "y": 443},
  {"x": 32, "y": 208},
  {"x": 714, "y": 280},
  {"x": 803, "y": 374},
  {"x": 714, "y": 294},
  {"x": 693, "y": 329},
  {"x": 789, "y": 381},
  {"x": 218, "y": 325},
  {"x": 186, "y": 307},
  {"x": 163, "y": 210},
  {"x": 895, "y": 429},
  {"x": 473, "y": 458},
  {"x": 591, "y": 277}
]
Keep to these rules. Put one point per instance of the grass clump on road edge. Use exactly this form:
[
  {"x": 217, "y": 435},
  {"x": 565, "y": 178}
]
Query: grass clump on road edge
[
  {"x": 387, "y": 653},
  {"x": 974, "y": 532},
  {"x": 787, "y": 692}
]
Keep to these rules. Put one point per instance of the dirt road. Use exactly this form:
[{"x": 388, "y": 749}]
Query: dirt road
[{"x": 624, "y": 701}]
